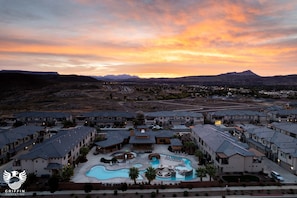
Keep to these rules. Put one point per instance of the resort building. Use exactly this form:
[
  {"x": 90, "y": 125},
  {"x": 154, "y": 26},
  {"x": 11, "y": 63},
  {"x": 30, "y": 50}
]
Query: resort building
[
  {"x": 237, "y": 117},
  {"x": 107, "y": 119},
  {"x": 17, "y": 139},
  {"x": 172, "y": 118},
  {"x": 113, "y": 141},
  {"x": 43, "y": 118},
  {"x": 57, "y": 152},
  {"x": 227, "y": 154},
  {"x": 140, "y": 140}
]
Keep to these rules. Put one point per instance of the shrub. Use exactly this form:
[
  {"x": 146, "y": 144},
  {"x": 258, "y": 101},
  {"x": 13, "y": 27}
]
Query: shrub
[
  {"x": 186, "y": 193},
  {"x": 115, "y": 192},
  {"x": 153, "y": 194},
  {"x": 88, "y": 188},
  {"x": 124, "y": 187}
]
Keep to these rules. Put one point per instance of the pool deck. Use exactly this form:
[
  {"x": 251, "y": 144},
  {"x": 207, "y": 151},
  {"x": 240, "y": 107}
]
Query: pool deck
[{"x": 94, "y": 160}]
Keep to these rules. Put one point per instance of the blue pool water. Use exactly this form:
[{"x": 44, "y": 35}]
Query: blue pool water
[{"x": 101, "y": 173}]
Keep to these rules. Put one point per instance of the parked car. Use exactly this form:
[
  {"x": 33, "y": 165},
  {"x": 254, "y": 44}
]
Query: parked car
[{"x": 275, "y": 175}]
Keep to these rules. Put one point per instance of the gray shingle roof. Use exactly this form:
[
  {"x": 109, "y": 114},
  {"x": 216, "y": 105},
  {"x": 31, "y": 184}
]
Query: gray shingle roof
[
  {"x": 221, "y": 142},
  {"x": 122, "y": 114},
  {"x": 114, "y": 138},
  {"x": 262, "y": 132},
  {"x": 12, "y": 135},
  {"x": 58, "y": 145},
  {"x": 163, "y": 133},
  {"x": 143, "y": 138},
  {"x": 285, "y": 143},
  {"x": 238, "y": 112},
  {"x": 175, "y": 142},
  {"x": 173, "y": 113},
  {"x": 39, "y": 114},
  {"x": 230, "y": 149},
  {"x": 286, "y": 126},
  {"x": 287, "y": 112}
]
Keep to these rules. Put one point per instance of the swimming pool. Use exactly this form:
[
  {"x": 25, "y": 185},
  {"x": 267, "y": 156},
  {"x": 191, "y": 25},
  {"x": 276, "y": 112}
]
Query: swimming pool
[
  {"x": 179, "y": 169},
  {"x": 100, "y": 172}
]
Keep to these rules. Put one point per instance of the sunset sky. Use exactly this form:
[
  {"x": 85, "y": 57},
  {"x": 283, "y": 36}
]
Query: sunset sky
[{"x": 149, "y": 38}]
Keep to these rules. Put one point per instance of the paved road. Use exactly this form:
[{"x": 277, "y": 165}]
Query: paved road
[
  {"x": 176, "y": 190},
  {"x": 287, "y": 175}
]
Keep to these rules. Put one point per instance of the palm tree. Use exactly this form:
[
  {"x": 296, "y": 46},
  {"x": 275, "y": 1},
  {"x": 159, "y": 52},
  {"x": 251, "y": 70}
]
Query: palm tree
[
  {"x": 201, "y": 172},
  {"x": 199, "y": 154},
  {"x": 133, "y": 173},
  {"x": 190, "y": 147},
  {"x": 150, "y": 174},
  {"x": 84, "y": 151},
  {"x": 211, "y": 171}
]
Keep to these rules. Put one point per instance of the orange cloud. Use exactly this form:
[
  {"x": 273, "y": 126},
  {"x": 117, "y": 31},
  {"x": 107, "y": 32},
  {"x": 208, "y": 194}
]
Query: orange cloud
[{"x": 147, "y": 38}]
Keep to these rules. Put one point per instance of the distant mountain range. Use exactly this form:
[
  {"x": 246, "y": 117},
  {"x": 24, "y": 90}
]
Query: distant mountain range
[
  {"x": 116, "y": 77},
  {"x": 10, "y": 79},
  {"x": 245, "y": 78},
  {"x": 15, "y": 79}
]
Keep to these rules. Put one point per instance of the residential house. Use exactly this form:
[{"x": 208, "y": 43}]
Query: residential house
[
  {"x": 286, "y": 128},
  {"x": 107, "y": 119},
  {"x": 43, "y": 118},
  {"x": 237, "y": 117},
  {"x": 53, "y": 154},
  {"x": 284, "y": 115},
  {"x": 277, "y": 146},
  {"x": 173, "y": 118},
  {"x": 17, "y": 139},
  {"x": 227, "y": 154},
  {"x": 259, "y": 137}
]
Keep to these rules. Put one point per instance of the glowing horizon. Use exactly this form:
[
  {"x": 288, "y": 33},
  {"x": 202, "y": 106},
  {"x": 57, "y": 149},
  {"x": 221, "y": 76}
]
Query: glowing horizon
[{"x": 149, "y": 38}]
